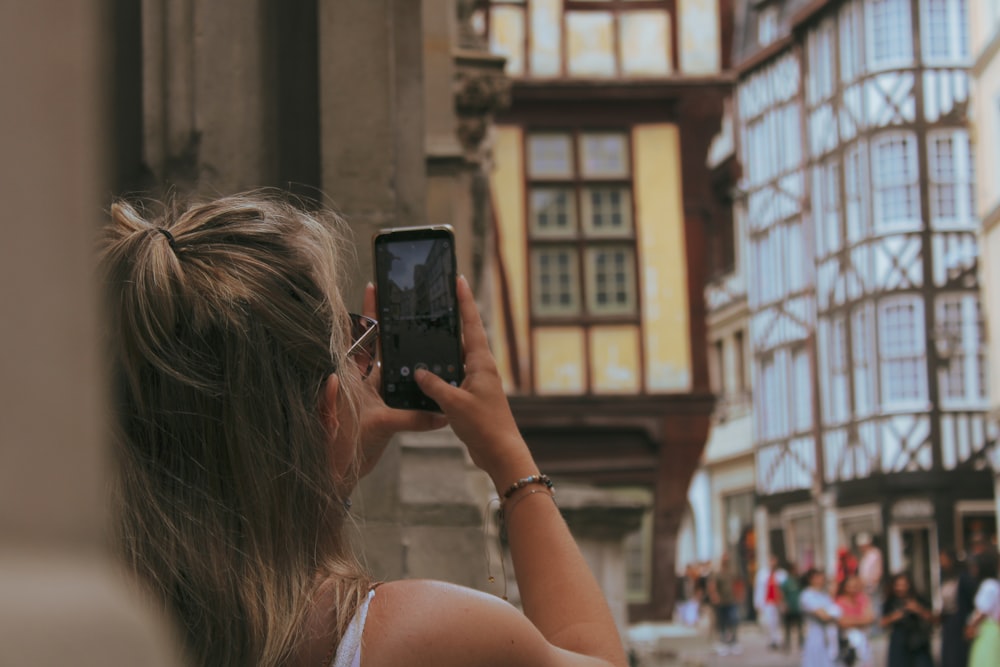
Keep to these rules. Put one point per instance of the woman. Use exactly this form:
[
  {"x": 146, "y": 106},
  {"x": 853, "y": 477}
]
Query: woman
[
  {"x": 910, "y": 621},
  {"x": 856, "y": 618},
  {"x": 791, "y": 589},
  {"x": 821, "y": 615},
  {"x": 984, "y": 626},
  {"x": 954, "y": 648},
  {"x": 246, "y": 415}
]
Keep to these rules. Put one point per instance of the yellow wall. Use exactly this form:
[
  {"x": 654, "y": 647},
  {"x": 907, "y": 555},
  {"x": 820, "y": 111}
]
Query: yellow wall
[
  {"x": 614, "y": 355},
  {"x": 507, "y": 182},
  {"x": 662, "y": 258},
  {"x": 560, "y": 366}
]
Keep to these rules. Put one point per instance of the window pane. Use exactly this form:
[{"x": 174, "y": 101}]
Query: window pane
[
  {"x": 507, "y": 36},
  {"x": 546, "y": 33},
  {"x": 611, "y": 280},
  {"x": 553, "y": 212},
  {"x": 555, "y": 281},
  {"x": 643, "y": 37},
  {"x": 550, "y": 156},
  {"x": 604, "y": 155},
  {"x": 894, "y": 173},
  {"x": 590, "y": 43},
  {"x": 607, "y": 211},
  {"x": 890, "y": 33},
  {"x": 901, "y": 344}
]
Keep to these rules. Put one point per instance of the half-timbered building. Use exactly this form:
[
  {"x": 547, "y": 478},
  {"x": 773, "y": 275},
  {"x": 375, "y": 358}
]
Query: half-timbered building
[
  {"x": 601, "y": 196},
  {"x": 985, "y": 41},
  {"x": 866, "y": 329}
]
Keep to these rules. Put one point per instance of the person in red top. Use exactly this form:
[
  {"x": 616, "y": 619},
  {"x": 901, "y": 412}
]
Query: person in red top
[
  {"x": 857, "y": 618},
  {"x": 767, "y": 599}
]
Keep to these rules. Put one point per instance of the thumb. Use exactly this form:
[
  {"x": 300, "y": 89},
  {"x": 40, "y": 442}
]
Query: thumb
[{"x": 435, "y": 388}]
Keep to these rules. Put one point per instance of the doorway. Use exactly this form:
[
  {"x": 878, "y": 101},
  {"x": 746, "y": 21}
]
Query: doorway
[{"x": 913, "y": 549}]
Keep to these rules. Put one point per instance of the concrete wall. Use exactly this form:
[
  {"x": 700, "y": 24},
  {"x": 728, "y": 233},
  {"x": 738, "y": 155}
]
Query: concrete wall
[{"x": 61, "y": 600}]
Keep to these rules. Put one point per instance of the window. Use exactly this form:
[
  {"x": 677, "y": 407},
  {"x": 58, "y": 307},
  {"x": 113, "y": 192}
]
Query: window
[
  {"x": 767, "y": 25},
  {"x": 895, "y": 178},
  {"x": 901, "y": 350},
  {"x": 740, "y": 361},
  {"x": 851, "y": 55},
  {"x": 890, "y": 36},
  {"x": 718, "y": 368},
  {"x": 862, "y": 335},
  {"x": 580, "y": 225},
  {"x": 945, "y": 33},
  {"x": 769, "y": 422},
  {"x": 840, "y": 375},
  {"x": 952, "y": 195},
  {"x": 826, "y": 204},
  {"x": 856, "y": 211},
  {"x": 961, "y": 349},
  {"x": 802, "y": 391},
  {"x": 819, "y": 45}
]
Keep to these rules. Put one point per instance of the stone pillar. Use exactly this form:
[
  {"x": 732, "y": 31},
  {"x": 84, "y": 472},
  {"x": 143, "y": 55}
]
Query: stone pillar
[
  {"x": 208, "y": 95},
  {"x": 62, "y": 601},
  {"x": 372, "y": 116},
  {"x": 829, "y": 536},
  {"x": 762, "y": 530},
  {"x": 422, "y": 512},
  {"x": 599, "y": 520}
]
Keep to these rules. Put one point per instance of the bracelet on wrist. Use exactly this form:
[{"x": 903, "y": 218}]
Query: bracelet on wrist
[
  {"x": 507, "y": 508},
  {"x": 525, "y": 481}
]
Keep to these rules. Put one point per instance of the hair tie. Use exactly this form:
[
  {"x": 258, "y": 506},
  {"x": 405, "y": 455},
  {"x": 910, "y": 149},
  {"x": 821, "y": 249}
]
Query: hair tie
[{"x": 170, "y": 238}]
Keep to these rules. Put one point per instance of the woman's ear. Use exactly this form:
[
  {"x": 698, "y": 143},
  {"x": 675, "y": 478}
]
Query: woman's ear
[{"x": 328, "y": 405}]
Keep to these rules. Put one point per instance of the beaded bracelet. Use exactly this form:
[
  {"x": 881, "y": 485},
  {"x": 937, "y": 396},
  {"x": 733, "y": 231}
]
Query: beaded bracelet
[
  {"x": 508, "y": 508},
  {"x": 525, "y": 481}
]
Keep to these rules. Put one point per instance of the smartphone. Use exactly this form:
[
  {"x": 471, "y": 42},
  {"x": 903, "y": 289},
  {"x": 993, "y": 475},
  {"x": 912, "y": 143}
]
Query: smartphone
[{"x": 417, "y": 305}]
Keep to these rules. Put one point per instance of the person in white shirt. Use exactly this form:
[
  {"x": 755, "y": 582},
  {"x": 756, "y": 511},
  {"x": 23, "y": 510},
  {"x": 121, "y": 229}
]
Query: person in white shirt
[{"x": 767, "y": 599}]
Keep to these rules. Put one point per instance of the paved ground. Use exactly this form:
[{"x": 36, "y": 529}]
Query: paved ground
[{"x": 667, "y": 645}]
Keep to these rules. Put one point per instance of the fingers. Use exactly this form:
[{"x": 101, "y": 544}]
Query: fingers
[
  {"x": 368, "y": 305},
  {"x": 436, "y": 389},
  {"x": 477, "y": 351}
]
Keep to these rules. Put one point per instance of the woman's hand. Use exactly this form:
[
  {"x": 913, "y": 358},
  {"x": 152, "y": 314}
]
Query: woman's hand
[
  {"x": 379, "y": 422},
  {"x": 478, "y": 410}
]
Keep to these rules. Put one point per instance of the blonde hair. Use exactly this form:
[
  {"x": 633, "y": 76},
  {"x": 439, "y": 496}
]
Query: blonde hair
[{"x": 226, "y": 321}]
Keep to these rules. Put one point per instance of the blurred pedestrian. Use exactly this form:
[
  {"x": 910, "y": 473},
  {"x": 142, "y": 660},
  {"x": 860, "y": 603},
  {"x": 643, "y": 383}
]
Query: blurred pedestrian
[
  {"x": 791, "y": 612},
  {"x": 722, "y": 591},
  {"x": 909, "y": 618},
  {"x": 856, "y": 619},
  {"x": 821, "y": 615},
  {"x": 984, "y": 626},
  {"x": 871, "y": 571},
  {"x": 767, "y": 599},
  {"x": 954, "y": 647}
]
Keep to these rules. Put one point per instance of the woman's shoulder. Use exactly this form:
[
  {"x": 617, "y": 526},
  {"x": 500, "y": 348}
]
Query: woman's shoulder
[{"x": 436, "y": 623}]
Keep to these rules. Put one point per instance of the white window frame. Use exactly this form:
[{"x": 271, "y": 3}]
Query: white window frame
[
  {"x": 863, "y": 358},
  {"x": 963, "y": 179},
  {"x": 956, "y": 28},
  {"x": 801, "y": 386},
  {"x": 827, "y": 206},
  {"x": 851, "y": 41},
  {"x": 838, "y": 396},
  {"x": 909, "y": 179},
  {"x": 857, "y": 191},
  {"x": 916, "y": 353},
  {"x": 969, "y": 351},
  {"x": 820, "y": 83},
  {"x": 905, "y": 35}
]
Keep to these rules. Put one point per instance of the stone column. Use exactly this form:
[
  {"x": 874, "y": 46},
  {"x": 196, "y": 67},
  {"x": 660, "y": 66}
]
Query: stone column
[
  {"x": 62, "y": 600},
  {"x": 599, "y": 520},
  {"x": 372, "y": 116}
]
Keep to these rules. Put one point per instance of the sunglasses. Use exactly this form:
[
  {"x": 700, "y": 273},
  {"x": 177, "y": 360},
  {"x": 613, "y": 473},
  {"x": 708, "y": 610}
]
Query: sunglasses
[{"x": 364, "y": 332}]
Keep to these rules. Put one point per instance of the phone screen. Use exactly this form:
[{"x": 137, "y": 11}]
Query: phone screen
[{"x": 417, "y": 312}]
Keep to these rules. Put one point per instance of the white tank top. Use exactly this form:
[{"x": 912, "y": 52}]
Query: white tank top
[{"x": 349, "y": 651}]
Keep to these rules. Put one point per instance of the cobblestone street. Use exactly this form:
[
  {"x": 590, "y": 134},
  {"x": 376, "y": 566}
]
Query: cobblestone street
[{"x": 667, "y": 645}]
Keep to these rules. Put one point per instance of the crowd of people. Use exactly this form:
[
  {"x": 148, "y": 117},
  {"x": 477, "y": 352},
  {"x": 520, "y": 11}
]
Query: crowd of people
[{"x": 831, "y": 620}]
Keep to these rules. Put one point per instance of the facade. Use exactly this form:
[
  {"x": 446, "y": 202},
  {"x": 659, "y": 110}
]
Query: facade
[
  {"x": 600, "y": 196},
  {"x": 866, "y": 330},
  {"x": 723, "y": 492},
  {"x": 985, "y": 109}
]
